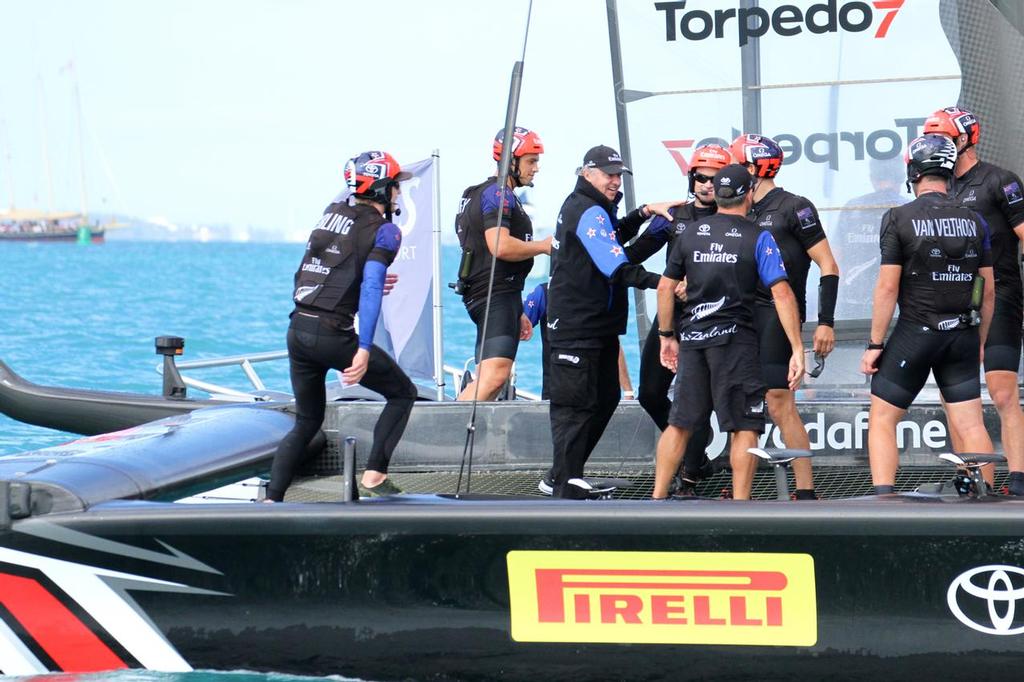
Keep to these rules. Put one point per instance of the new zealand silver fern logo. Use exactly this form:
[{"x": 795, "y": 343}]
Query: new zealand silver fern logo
[{"x": 704, "y": 309}]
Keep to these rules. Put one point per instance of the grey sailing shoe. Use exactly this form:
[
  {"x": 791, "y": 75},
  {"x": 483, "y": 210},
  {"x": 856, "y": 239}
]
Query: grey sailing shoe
[{"x": 382, "y": 489}]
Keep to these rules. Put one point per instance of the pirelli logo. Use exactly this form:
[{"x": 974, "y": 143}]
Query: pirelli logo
[{"x": 663, "y": 598}]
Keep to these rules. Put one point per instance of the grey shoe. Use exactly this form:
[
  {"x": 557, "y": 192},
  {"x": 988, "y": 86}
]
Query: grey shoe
[{"x": 382, "y": 489}]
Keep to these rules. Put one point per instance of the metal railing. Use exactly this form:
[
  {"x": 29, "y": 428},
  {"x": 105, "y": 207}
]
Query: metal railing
[{"x": 248, "y": 360}]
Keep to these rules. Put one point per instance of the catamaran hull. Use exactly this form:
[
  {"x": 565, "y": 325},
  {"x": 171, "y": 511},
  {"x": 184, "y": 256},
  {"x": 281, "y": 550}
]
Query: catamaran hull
[{"x": 433, "y": 588}]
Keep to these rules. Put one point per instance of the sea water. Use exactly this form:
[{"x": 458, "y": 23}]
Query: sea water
[{"x": 86, "y": 317}]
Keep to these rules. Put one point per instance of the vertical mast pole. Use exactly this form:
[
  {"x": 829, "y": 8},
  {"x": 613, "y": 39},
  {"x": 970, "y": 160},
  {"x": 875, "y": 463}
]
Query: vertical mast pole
[{"x": 436, "y": 293}]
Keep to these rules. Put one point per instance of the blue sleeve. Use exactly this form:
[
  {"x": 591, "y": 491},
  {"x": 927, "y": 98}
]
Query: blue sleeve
[
  {"x": 600, "y": 243},
  {"x": 535, "y": 307},
  {"x": 491, "y": 203},
  {"x": 660, "y": 228},
  {"x": 386, "y": 244},
  {"x": 370, "y": 293},
  {"x": 385, "y": 247},
  {"x": 769, "y": 260}
]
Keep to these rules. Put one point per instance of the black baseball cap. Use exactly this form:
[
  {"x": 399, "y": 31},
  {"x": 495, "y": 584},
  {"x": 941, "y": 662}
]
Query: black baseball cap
[
  {"x": 732, "y": 181},
  {"x": 605, "y": 158}
]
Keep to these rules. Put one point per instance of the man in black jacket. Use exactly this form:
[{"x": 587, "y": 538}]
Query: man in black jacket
[{"x": 587, "y": 309}]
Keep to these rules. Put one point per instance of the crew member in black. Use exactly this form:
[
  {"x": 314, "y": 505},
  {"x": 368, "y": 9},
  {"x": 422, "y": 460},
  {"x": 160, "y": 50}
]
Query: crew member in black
[
  {"x": 342, "y": 273},
  {"x": 794, "y": 222},
  {"x": 656, "y": 379},
  {"x": 722, "y": 259},
  {"x": 484, "y": 237},
  {"x": 933, "y": 251},
  {"x": 996, "y": 194},
  {"x": 587, "y": 309}
]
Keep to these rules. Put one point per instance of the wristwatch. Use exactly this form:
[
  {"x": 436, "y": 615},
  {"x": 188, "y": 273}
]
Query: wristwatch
[
  {"x": 667, "y": 333},
  {"x": 876, "y": 346}
]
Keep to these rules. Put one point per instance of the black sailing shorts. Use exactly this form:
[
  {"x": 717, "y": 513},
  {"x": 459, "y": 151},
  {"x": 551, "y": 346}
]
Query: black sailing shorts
[
  {"x": 502, "y": 337},
  {"x": 914, "y": 350},
  {"x": 726, "y": 379}
]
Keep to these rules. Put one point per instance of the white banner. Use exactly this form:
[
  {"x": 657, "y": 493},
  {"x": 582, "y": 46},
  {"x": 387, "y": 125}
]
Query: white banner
[
  {"x": 843, "y": 87},
  {"x": 405, "y": 328}
]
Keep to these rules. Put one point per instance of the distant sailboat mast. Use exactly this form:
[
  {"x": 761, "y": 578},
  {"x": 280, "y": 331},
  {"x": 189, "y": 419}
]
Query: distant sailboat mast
[
  {"x": 70, "y": 67},
  {"x": 5, "y": 138},
  {"x": 45, "y": 143}
]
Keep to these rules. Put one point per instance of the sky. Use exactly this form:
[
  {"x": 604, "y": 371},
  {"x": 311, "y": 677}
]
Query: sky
[{"x": 244, "y": 111}]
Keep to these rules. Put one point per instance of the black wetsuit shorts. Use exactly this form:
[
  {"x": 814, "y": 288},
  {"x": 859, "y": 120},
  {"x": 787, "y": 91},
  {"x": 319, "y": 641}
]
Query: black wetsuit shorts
[
  {"x": 726, "y": 379},
  {"x": 914, "y": 350},
  {"x": 773, "y": 347},
  {"x": 503, "y": 326},
  {"x": 1003, "y": 344}
]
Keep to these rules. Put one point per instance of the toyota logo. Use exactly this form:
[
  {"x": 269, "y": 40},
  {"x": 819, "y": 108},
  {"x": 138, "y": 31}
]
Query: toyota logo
[{"x": 993, "y": 587}]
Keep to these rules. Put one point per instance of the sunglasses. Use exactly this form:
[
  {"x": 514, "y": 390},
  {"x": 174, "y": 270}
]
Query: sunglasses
[
  {"x": 819, "y": 365},
  {"x": 700, "y": 177}
]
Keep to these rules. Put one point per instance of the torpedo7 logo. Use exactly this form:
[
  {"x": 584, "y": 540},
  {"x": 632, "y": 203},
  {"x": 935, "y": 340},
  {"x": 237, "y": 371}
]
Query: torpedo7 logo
[
  {"x": 819, "y": 147},
  {"x": 827, "y": 16},
  {"x": 663, "y": 597}
]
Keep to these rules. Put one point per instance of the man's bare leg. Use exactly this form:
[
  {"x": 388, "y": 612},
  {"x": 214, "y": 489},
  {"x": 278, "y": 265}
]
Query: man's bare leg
[
  {"x": 1002, "y": 387},
  {"x": 882, "y": 451},
  {"x": 491, "y": 374},
  {"x": 970, "y": 424},
  {"x": 782, "y": 408},
  {"x": 743, "y": 463},
  {"x": 669, "y": 454}
]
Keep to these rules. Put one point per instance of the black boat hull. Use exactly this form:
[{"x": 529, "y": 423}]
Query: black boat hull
[
  {"x": 84, "y": 411},
  {"x": 419, "y": 588}
]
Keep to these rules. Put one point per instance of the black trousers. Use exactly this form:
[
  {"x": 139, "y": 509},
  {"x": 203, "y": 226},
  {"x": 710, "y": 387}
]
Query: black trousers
[
  {"x": 655, "y": 381},
  {"x": 584, "y": 389},
  {"x": 314, "y": 348}
]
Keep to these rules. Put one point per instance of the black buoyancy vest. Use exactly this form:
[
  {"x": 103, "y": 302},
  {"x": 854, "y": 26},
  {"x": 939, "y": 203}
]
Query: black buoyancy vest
[
  {"x": 331, "y": 272},
  {"x": 469, "y": 226},
  {"x": 943, "y": 256}
]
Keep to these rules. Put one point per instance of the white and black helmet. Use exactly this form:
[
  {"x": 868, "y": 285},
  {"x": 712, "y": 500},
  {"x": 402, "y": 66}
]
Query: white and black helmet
[{"x": 930, "y": 154}]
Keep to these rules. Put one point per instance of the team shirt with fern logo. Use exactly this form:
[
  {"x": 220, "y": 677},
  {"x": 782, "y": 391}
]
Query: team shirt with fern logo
[{"x": 723, "y": 258}]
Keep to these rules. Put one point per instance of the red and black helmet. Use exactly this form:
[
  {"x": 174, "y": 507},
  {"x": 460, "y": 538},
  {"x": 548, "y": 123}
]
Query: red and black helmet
[
  {"x": 524, "y": 141},
  {"x": 371, "y": 175},
  {"x": 762, "y": 152},
  {"x": 954, "y": 122},
  {"x": 930, "y": 154}
]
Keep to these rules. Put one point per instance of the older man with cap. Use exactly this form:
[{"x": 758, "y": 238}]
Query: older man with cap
[
  {"x": 587, "y": 310},
  {"x": 722, "y": 259}
]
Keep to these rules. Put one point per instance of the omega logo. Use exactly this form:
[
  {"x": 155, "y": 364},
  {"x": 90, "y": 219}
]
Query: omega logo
[{"x": 992, "y": 587}]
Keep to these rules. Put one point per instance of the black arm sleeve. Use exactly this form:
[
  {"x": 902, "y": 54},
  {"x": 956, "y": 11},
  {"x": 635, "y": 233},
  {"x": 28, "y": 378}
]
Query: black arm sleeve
[
  {"x": 628, "y": 227},
  {"x": 643, "y": 248},
  {"x": 636, "y": 276},
  {"x": 828, "y": 291}
]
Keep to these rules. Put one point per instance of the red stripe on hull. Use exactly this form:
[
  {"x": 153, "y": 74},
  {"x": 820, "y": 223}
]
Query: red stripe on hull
[{"x": 61, "y": 634}]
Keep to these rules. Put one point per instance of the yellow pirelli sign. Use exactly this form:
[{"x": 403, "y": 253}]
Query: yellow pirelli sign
[{"x": 663, "y": 598}]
